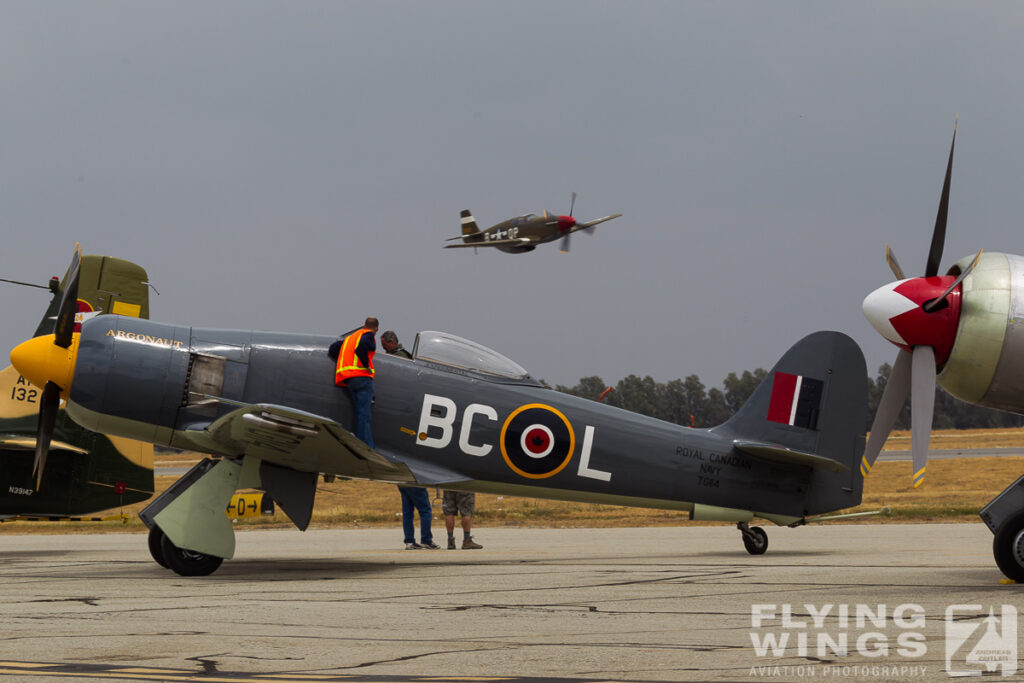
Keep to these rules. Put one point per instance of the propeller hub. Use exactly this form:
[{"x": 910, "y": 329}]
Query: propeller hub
[
  {"x": 566, "y": 223},
  {"x": 897, "y": 312},
  {"x": 40, "y": 361}
]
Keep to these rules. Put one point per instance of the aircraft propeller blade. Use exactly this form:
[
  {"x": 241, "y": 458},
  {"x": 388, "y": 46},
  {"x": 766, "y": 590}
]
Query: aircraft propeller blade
[
  {"x": 922, "y": 404},
  {"x": 894, "y": 265},
  {"x": 914, "y": 372},
  {"x": 68, "y": 303},
  {"x": 49, "y": 404},
  {"x": 895, "y": 395},
  {"x": 564, "y": 248},
  {"x": 572, "y": 203},
  {"x": 939, "y": 233},
  {"x": 936, "y": 303}
]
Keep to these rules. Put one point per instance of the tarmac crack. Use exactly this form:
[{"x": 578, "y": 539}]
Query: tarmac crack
[
  {"x": 407, "y": 658},
  {"x": 207, "y": 662},
  {"x": 92, "y": 602}
]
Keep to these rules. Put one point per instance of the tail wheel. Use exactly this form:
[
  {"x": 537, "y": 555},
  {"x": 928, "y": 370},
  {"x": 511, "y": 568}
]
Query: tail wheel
[
  {"x": 156, "y": 538},
  {"x": 188, "y": 562},
  {"x": 755, "y": 540},
  {"x": 1008, "y": 547}
]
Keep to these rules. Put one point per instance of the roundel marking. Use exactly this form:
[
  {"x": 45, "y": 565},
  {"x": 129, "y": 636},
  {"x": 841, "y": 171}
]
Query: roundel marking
[
  {"x": 537, "y": 441},
  {"x": 81, "y": 308}
]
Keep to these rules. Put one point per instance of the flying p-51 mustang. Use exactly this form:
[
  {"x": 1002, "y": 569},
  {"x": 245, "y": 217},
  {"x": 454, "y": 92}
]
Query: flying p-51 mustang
[
  {"x": 86, "y": 472},
  {"x": 961, "y": 330},
  {"x": 457, "y": 415},
  {"x": 523, "y": 233}
]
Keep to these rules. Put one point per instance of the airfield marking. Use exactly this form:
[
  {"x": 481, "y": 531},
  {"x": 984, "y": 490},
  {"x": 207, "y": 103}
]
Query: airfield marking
[{"x": 74, "y": 670}]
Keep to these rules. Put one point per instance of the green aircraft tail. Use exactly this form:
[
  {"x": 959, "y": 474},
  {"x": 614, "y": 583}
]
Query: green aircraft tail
[{"x": 85, "y": 472}]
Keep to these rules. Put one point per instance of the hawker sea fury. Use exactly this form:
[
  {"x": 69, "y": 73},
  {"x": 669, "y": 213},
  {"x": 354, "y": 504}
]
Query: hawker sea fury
[
  {"x": 457, "y": 415},
  {"x": 962, "y": 331},
  {"x": 524, "y": 233},
  {"x": 72, "y": 471}
]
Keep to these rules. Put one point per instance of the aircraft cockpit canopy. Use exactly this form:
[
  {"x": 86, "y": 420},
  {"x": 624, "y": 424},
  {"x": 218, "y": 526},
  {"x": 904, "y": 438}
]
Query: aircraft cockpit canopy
[
  {"x": 520, "y": 220},
  {"x": 453, "y": 351}
]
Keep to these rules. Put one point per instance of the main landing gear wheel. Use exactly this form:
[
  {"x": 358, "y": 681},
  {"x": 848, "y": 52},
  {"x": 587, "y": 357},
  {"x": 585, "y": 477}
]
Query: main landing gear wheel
[
  {"x": 156, "y": 538},
  {"x": 1008, "y": 547},
  {"x": 755, "y": 540},
  {"x": 188, "y": 562}
]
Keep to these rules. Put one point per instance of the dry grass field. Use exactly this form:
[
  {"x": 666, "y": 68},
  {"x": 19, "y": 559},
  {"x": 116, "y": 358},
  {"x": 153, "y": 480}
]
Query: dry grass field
[{"x": 954, "y": 491}]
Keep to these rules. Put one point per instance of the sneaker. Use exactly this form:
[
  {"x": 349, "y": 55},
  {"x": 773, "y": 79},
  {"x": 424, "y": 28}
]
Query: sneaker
[
  {"x": 451, "y": 544},
  {"x": 430, "y": 546},
  {"x": 413, "y": 546},
  {"x": 469, "y": 544}
]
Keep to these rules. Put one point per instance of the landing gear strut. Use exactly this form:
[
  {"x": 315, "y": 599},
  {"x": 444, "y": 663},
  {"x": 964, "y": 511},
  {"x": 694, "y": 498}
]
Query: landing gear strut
[{"x": 755, "y": 540}]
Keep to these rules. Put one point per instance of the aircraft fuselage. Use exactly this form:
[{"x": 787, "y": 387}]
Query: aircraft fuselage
[{"x": 164, "y": 383}]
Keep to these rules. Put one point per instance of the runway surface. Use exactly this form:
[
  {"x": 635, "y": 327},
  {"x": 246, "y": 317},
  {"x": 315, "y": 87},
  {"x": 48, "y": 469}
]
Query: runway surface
[{"x": 666, "y": 604}]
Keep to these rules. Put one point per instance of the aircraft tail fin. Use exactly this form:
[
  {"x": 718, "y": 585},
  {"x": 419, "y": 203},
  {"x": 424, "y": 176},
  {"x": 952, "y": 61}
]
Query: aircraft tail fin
[
  {"x": 469, "y": 226},
  {"x": 811, "y": 411},
  {"x": 106, "y": 285}
]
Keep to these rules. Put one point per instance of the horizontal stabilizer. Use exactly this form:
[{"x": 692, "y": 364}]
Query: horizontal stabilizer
[
  {"x": 788, "y": 455},
  {"x": 20, "y": 442}
]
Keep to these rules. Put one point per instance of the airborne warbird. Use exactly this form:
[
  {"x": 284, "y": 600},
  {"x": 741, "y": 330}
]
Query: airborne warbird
[
  {"x": 962, "y": 331},
  {"x": 457, "y": 415},
  {"x": 524, "y": 233},
  {"x": 86, "y": 472}
]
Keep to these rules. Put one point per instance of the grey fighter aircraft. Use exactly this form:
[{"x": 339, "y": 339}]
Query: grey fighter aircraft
[
  {"x": 961, "y": 331},
  {"x": 523, "y": 233},
  {"x": 457, "y": 415}
]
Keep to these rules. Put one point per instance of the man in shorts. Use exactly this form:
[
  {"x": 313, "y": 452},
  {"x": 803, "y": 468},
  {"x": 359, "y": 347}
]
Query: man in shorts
[{"x": 464, "y": 503}]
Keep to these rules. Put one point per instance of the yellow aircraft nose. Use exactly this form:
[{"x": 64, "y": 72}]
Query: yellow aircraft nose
[{"x": 40, "y": 361}]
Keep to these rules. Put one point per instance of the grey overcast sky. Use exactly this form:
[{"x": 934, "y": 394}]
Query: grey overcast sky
[{"x": 298, "y": 165}]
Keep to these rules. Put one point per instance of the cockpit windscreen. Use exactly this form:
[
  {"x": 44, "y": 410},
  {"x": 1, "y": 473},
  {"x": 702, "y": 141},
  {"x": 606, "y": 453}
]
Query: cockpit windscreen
[{"x": 448, "y": 349}]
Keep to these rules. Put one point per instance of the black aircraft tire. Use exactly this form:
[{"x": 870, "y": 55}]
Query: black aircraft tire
[
  {"x": 1008, "y": 547},
  {"x": 188, "y": 562},
  {"x": 756, "y": 542},
  {"x": 156, "y": 538}
]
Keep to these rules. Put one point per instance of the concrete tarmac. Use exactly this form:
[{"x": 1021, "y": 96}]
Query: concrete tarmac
[{"x": 650, "y": 604}]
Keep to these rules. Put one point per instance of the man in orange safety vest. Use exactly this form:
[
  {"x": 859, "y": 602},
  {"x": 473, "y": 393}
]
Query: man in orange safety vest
[{"x": 355, "y": 353}]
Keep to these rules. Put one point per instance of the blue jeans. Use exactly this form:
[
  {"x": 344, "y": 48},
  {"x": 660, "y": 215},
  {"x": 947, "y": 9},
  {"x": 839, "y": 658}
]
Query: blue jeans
[
  {"x": 416, "y": 497},
  {"x": 361, "y": 391}
]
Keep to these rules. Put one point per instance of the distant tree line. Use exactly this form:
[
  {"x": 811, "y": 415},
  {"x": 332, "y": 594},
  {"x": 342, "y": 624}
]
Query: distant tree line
[{"x": 689, "y": 402}]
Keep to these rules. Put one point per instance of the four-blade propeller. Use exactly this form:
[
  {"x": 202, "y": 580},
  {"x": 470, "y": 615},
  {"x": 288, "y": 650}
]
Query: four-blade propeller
[
  {"x": 63, "y": 338},
  {"x": 920, "y": 315}
]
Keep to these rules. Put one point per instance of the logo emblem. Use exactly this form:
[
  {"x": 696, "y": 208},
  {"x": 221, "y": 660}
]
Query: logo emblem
[
  {"x": 537, "y": 441},
  {"x": 977, "y": 645}
]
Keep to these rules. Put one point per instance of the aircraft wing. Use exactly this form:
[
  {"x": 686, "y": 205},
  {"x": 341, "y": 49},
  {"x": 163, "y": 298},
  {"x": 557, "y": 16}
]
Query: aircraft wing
[
  {"x": 590, "y": 224},
  {"x": 297, "y": 440},
  {"x": 489, "y": 243}
]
